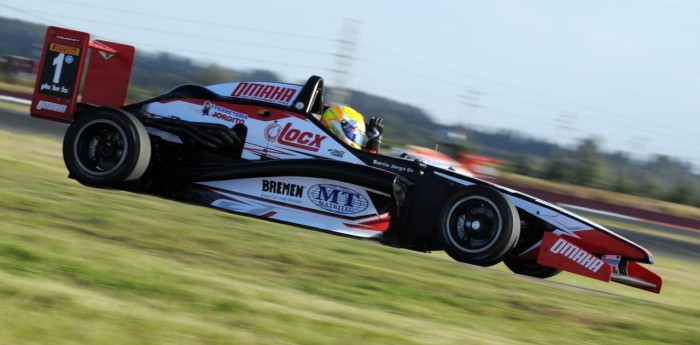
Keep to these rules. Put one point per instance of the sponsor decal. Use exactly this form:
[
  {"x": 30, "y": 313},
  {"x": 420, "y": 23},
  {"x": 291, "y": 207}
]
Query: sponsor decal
[
  {"x": 283, "y": 188},
  {"x": 337, "y": 199},
  {"x": 576, "y": 254},
  {"x": 272, "y": 132},
  {"x": 228, "y": 115},
  {"x": 60, "y": 48},
  {"x": 206, "y": 108},
  {"x": 59, "y": 108},
  {"x": 294, "y": 137},
  {"x": 282, "y": 191},
  {"x": 68, "y": 38},
  {"x": 336, "y": 153},
  {"x": 54, "y": 88},
  {"x": 105, "y": 55},
  {"x": 264, "y": 113},
  {"x": 264, "y": 92}
]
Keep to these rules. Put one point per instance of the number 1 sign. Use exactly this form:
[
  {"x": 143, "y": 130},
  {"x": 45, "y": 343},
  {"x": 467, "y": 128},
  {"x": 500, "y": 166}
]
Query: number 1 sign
[{"x": 59, "y": 75}]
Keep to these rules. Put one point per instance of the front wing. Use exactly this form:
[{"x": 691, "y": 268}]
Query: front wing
[{"x": 565, "y": 254}]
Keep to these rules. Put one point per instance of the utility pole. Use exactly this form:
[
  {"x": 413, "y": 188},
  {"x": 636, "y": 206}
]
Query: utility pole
[
  {"x": 470, "y": 105},
  {"x": 344, "y": 59},
  {"x": 565, "y": 124}
]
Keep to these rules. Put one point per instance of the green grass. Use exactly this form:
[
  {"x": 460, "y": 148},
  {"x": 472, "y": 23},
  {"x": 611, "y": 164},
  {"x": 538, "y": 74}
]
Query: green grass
[{"x": 89, "y": 266}]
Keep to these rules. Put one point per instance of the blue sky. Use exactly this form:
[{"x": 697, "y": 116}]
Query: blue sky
[{"x": 624, "y": 71}]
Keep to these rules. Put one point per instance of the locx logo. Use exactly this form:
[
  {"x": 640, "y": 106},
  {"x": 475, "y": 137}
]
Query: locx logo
[{"x": 294, "y": 137}]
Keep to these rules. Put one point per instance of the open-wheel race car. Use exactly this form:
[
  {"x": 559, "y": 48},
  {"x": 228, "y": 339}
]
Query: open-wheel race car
[{"x": 258, "y": 149}]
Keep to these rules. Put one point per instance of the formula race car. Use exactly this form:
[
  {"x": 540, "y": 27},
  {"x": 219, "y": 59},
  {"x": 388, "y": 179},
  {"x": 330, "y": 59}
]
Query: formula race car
[{"x": 258, "y": 149}]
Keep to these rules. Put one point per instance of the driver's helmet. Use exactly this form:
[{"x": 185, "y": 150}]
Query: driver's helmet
[{"x": 346, "y": 123}]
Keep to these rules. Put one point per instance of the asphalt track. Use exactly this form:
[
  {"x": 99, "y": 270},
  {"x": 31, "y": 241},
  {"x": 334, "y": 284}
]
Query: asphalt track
[
  {"x": 661, "y": 240},
  {"x": 672, "y": 242},
  {"x": 17, "y": 122}
]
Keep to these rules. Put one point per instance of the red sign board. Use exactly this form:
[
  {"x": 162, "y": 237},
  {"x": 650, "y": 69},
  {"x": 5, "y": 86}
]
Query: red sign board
[{"x": 58, "y": 79}]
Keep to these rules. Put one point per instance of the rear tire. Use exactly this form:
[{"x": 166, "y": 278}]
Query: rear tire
[
  {"x": 479, "y": 226},
  {"x": 106, "y": 146}
]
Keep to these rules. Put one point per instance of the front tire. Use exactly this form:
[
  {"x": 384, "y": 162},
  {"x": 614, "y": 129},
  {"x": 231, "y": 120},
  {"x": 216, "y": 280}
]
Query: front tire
[
  {"x": 106, "y": 146},
  {"x": 479, "y": 226},
  {"x": 529, "y": 268}
]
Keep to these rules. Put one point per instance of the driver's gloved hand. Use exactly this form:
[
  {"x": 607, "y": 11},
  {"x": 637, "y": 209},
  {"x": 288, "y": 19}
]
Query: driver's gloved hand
[{"x": 375, "y": 128}]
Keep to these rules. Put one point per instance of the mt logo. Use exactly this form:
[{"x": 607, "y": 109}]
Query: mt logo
[{"x": 337, "y": 199}]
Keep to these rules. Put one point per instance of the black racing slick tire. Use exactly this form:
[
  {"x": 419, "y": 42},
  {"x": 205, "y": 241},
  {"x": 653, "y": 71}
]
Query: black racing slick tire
[
  {"x": 529, "y": 268},
  {"x": 106, "y": 146},
  {"x": 479, "y": 226}
]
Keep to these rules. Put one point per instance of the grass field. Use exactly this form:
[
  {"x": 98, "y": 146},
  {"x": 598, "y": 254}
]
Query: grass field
[{"x": 88, "y": 266}]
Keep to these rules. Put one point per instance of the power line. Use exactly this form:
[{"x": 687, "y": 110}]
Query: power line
[
  {"x": 228, "y": 56},
  {"x": 28, "y": 13},
  {"x": 635, "y": 123},
  {"x": 202, "y": 37},
  {"x": 509, "y": 86},
  {"x": 218, "y": 25},
  {"x": 306, "y": 51}
]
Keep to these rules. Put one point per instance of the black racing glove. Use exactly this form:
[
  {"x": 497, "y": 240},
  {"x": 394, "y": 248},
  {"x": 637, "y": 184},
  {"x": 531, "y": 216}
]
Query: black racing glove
[{"x": 375, "y": 128}]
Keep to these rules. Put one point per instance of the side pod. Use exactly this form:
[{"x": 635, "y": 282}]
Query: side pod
[{"x": 565, "y": 254}]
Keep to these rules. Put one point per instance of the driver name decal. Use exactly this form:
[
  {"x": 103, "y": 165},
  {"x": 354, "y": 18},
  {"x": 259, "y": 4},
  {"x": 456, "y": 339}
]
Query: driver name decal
[
  {"x": 294, "y": 137},
  {"x": 337, "y": 199}
]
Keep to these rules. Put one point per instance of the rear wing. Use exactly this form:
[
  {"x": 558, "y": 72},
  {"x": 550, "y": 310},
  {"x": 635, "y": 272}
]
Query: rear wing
[{"x": 60, "y": 81}]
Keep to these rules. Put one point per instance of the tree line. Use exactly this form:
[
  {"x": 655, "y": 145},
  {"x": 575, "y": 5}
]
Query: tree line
[{"x": 660, "y": 177}]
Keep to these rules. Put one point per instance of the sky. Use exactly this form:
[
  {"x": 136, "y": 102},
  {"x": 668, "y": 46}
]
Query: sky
[{"x": 625, "y": 72}]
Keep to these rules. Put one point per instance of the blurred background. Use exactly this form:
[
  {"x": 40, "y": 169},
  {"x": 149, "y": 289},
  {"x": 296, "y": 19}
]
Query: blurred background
[
  {"x": 601, "y": 94},
  {"x": 588, "y": 104}
]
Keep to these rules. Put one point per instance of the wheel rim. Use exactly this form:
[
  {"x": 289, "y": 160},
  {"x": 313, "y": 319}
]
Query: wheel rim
[
  {"x": 100, "y": 147},
  {"x": 474, "y": 224}
]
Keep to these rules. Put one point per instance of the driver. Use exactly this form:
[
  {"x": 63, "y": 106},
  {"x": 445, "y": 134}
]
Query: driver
[{"x": 349, "y": 126}]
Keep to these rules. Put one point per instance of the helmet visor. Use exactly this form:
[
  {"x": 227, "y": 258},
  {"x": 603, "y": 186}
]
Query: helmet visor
[{"x": 349, "y": 129}]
